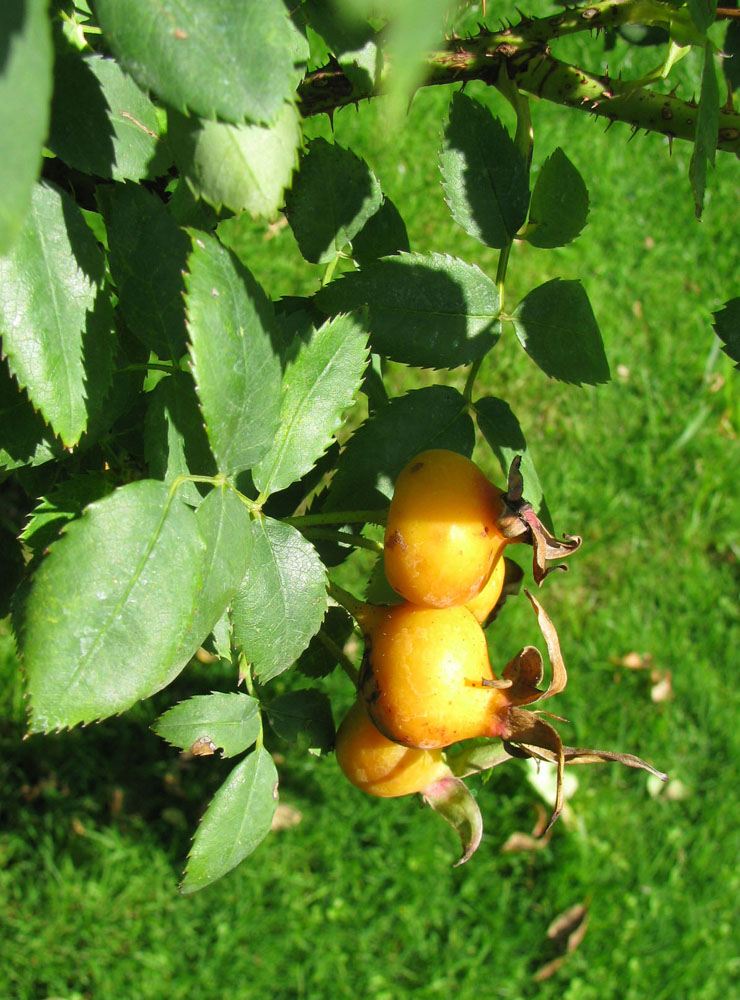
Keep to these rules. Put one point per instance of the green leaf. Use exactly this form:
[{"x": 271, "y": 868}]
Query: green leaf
[
  {"x": 238, "y": 818},
  {"x": 557, "y": 328},
  {"x": 55, "y": 318},
  {"x": 319, "y": 384},
  {"x": 383, "y": 234},
  {"x": 503, "y": 432},
  {"x": 304, "y": 713},
  {"x": 415, "y": 28},
  {"x": 102, "y": 623},
  {"x": 731, "y": 49},
  {"x": 221, "y": 634},
  {"x": 362, "y": 66},
  {"x": 318, "y": 659},
  {"x": 14, "y": 567},
  {"x": 483, "y": 174},
  {"x": 282, "y": 600},
  {"x": 25, "y": 90},
  {"x": 244, "y": 167},
  {"x": 190, "y": 211},
  {"x": 703, "y": 13},
  {"x": 284, "y": 503},
  {"x": 727, "y": 327},
  {"x": 24, "y": 437},
  {"x": 228, "y": 722},
  {"x": 228, "y": 60},
  {"x": 340, "y": 24},
  {"x": 61, "y": 505},
  {"x": 118, "y": 134},
  {"x": 333, "y": 195},
  {"x": 148, "y": 252},
  {"x": 236, "y": 367},
  {"x": 377, "y": 588},
  {"x": 227, "y": 531},
  {"x": 559, "y": 203},
  {"x": 175, "y": 441},
  {"x": 432, "y": 417},
  {"x": 429, "y": 310},
  {"x": 707, "y": 129}
]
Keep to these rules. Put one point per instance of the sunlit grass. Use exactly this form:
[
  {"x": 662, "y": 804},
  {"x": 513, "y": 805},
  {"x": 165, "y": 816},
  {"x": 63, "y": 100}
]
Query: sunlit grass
[{"x": 360, "y": 897}]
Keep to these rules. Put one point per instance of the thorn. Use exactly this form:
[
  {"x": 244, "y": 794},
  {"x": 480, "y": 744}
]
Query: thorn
[
  {"x": 635, "y": 130},
  {"x": 609, "y": 124},
  {"x": 670, "y": 144},
  {"x": 330, "y": 116}
]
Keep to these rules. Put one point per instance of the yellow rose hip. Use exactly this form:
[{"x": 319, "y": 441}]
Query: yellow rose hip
[
  {"x": 441, "y": 540},
  {"x": 379, "y": 766},
  {"x": 426, "y": 676}
]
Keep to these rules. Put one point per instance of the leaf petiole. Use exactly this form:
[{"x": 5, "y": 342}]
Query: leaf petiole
[
  {"x": 343, "y": 538},
  {"x": 342, "y": 659},
  {"x": 338, "y": 517}
]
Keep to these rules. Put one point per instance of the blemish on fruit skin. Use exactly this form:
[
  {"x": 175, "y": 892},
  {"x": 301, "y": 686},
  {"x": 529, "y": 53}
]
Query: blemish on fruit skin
[
  {"x": 416, "y": 467},
  {"x": 396, "y": 539}
]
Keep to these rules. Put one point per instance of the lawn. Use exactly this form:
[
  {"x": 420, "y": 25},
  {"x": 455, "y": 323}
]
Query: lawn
[{"x": 356, "y": 896}]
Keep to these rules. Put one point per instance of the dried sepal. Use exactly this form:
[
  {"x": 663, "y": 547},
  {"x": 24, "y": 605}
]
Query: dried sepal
[
  {"x": 451, "y": 798},
  {"x": 499, "y": 683},
  {"x": 578, "y": 755},
  {"x": 539, "y": 739},
  {"x": 546, "y": 546},
  {"x": 559, "y": 677},
  {"x": 536, "y": 738},
  {"x": 525, "y": 672},
  {"x": 519, "y": 523}
]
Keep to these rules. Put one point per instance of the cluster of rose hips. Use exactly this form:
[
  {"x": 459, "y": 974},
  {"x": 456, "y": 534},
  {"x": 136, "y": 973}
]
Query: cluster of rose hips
[{"x": 426, "y": 680}]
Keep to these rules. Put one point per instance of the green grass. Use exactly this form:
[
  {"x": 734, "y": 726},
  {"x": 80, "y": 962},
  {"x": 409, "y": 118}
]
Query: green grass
[{"x": 359, "y": 898}]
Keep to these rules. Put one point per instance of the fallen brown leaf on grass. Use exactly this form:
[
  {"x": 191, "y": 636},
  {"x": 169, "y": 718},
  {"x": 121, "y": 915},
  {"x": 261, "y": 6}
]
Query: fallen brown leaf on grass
[
  {"x": 568, "y": 929},
  {"x": 285, "y": 817},
  {"x": 662, "y": 689},
  {"x": 534, "y": 841}
]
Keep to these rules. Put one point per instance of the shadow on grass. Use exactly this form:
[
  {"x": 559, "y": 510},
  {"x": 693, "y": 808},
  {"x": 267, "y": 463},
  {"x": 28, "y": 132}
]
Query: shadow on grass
[{"x": 120, "y": 775}]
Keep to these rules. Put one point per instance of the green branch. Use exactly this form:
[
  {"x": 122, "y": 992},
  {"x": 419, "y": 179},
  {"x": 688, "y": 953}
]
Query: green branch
[
  {"x": 522, "y": 52},
  {"x": 619, "y": 101}
]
